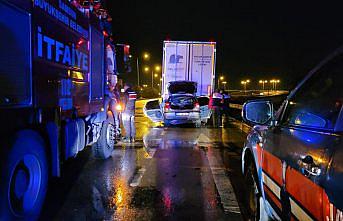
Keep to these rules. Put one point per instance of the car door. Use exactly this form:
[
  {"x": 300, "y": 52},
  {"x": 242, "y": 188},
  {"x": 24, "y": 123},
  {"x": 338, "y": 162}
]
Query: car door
[
  {"x": 205, "y": 112},
  {"x": 152, "y": 109},
  {"x": 300, "y": 148},
  {"x": 333, "y": 186}
]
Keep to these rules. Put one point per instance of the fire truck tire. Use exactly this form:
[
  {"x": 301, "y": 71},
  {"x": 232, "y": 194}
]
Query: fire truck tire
[
  {"x": 24, "y": 178},
  {"x": 103, "y": 148},
  {"x": 253, "y": 193}
]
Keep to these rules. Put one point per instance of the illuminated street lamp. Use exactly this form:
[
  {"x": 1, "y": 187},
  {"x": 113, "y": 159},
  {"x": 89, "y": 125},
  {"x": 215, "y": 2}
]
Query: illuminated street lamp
[
  {"x": 220, "y": 78},
  {"x": 244, "y": 83},
  {"x": 145, "y": 56},
  {"x": 156, "y": 68},
  {"x": 263, "y": 82},
  {"x": 274, "y": 83}
]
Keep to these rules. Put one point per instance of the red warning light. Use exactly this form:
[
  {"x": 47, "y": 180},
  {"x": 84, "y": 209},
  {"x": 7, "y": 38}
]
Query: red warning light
[
  {"x": 127, "y": 50},
  {"x": 80, "y": 42},
  {"x": 105, "y": 33}
]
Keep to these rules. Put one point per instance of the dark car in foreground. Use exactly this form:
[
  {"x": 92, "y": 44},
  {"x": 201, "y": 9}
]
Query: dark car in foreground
[{"x": 293, "y": 157}]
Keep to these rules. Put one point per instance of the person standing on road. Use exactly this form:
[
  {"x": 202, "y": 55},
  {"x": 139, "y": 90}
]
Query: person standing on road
[
  {"x": 116, "y": 108},
  {"x": 128, "y": 114},
  {"x": 216, "y": 104},
  {"x": 226, "y": 105},
  {"x": 112, "y": 88}
]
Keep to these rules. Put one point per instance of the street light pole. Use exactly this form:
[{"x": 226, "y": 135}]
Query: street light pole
[
  {"x": 220, "y": 78},
  {"x": 137, "y": 72},
  {"x": 276, "y": 82},
  {"x": 152, "y": 78},
  {"x": 224, "y": 85}
]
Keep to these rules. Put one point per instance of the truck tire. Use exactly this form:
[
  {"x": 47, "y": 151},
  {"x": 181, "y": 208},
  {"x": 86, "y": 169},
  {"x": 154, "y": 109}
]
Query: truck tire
[
  {"x": 24, "y": 178},
  {"x": 103, "y": 148}
]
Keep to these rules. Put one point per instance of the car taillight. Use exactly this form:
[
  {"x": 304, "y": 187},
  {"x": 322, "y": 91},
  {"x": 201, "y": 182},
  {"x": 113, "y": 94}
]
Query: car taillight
[
  {"x": 166, "y": 106},
  {"x": 196, "y": 106}
]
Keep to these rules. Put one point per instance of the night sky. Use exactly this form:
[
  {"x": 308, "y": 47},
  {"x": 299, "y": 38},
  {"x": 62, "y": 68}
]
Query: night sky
[{"x": 255, "y": 39}]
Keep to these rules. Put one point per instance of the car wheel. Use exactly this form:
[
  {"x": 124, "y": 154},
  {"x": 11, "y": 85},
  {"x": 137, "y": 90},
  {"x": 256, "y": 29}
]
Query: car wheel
[
  {"x": 24, "y": 178},
  {"x": 252, "y": 194},
  {"x": 103, "y": 148}
]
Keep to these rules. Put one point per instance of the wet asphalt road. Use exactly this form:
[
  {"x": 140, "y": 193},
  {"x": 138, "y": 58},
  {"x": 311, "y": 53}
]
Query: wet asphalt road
[{"x": 168, "y": 174}]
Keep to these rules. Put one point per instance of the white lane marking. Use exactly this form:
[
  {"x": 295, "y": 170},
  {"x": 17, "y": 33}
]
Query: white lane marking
[
  {"x": 138, "y": 177},
  {"x": 236, "y": 106},
  {"x": 271, "y": 185},
  {"x": 299, "y": 212},
  {"x": 222, "y": 181},
  {"x": 225, "y": 190}
]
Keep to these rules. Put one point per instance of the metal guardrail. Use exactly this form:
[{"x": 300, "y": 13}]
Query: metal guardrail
[
  {"x": 238, "y": 123},
  {"x": 236, "y": 106}
]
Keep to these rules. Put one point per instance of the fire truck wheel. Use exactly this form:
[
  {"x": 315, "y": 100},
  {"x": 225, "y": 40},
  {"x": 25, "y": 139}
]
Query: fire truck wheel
[
  {"x": 24, "y": 178},
  {"x": 103, "y": 148},
  {"x": 252, "y": 193}
]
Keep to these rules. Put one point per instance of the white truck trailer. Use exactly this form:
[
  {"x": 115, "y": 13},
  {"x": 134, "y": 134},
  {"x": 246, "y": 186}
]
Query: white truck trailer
[
  {"x": 189, "y": 61},
  {"x": 188, "y": 75}
]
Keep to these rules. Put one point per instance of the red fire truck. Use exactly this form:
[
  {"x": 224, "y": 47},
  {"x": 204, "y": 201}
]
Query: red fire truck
[{"x": 53, "y": 99}]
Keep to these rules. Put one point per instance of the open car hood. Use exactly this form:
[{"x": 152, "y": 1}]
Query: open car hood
[{"x": 182, "y": 87}]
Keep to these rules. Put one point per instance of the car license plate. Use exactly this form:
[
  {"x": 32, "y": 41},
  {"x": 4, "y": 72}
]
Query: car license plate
[{"x": 182, "y": 114}]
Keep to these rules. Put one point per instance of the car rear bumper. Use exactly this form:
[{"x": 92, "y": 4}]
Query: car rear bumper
[{"x": 182, "y": 117}]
